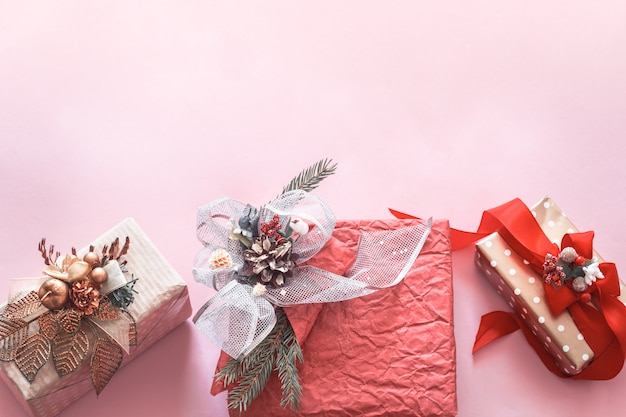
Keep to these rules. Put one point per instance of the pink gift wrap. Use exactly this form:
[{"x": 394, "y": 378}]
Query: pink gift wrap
[
  {"x": 391, "y": 353},
  {"x": 161, "y": 304}
]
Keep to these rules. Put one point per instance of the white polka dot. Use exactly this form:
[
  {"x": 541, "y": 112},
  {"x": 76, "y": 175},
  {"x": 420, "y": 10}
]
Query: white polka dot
[
  {"x": 551, "y": 223},
  {"x": 523, "y": 316},
  {"x": 500, "y": 287},
  {"x": 580, "y": 336},
  {"x": 488, "y": 271},
  {"x": 570, "y": 230},
  {"x": 512, "y": 271},
  {"x": 517, "y": 291},
  {"x": 536, "y": 300},
  {"x": 541, "y": 319},
  {"x": 493, "y": 263},
  {"x": 525, "y": 262},
  {"x": 489, "y": 243},
  {"x": 511, "y": 304},
  {"x": 524, "y": 310},
  {"x": 565, "y": 348},
  {"x": 534, "y": 213},
  {"x": 585, "y": 357},
  {"x": 507, "y": 252},
  {"x": 478, "y": 255},
  {"x": 546, "y": 204},
  {"x": 548, "y": 339},
  {"x": 531, "y": 280},
  {"x": 560, "y": 328},
  {"x": 558, "y": 356},
  {"x": 566, "y": 370},
  {"x": 382, "y": 242}
]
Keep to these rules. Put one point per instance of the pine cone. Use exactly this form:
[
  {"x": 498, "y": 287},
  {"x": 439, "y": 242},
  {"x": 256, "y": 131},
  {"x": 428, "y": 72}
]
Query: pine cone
[
  {"x": 85, "y": 297},
  {"x": 270, "y": 260}
]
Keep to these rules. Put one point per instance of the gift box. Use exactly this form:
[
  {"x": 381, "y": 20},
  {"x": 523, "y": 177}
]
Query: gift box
[
  {"x": 560, "y": 338},
  {"x": 389, "y": 353},
  {"x": 161, "y": 303}
]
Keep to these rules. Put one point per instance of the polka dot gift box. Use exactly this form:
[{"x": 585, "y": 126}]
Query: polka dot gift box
[
  {"x": 567, "y": 301},
  {"x": 66, "y": 333}
]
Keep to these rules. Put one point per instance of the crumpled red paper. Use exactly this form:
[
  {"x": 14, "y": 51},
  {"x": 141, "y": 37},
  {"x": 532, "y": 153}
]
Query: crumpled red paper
[{"x": 391, "y": 353}]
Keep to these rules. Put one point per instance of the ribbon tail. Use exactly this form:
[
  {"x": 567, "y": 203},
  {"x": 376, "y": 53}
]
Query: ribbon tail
[
  {"x": 235, "y": 319},
  {"x": 493, "y": 326}
]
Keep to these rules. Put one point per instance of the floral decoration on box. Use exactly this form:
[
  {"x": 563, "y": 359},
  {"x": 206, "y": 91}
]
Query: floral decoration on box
[{"x": 78, "y": 314}]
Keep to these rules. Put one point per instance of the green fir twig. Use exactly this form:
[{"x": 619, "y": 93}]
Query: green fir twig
[
  {"x": 310, "y": 178},
  {"x": 279, "y": 350}
]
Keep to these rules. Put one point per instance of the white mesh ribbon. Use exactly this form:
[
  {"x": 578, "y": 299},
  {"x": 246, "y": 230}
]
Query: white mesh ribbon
[{"x": 237, "y": 320}]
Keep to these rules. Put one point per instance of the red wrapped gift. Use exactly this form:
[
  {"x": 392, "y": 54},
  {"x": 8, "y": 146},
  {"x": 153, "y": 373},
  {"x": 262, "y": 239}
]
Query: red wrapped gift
[{"x": 390, "y": 353}]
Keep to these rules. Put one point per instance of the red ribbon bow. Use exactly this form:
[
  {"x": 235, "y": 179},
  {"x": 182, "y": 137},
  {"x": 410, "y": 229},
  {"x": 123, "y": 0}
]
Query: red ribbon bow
[{"x": 602, "y": 324}]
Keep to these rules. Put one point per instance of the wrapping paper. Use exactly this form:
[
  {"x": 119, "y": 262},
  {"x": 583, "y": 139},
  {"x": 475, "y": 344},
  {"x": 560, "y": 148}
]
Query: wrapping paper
[
  {"x": 391, "y": 353},
  {"x": 522, "y": 288},
  {"x": 162, "y": 303}
]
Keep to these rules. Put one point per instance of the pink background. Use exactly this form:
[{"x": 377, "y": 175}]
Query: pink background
[{"x": 150, "y": 109}]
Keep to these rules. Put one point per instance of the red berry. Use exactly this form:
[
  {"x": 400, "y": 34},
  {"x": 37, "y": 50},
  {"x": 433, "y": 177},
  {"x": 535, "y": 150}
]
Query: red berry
[
  {"x": 580, "y": 260},
  {"x": 585, "y": 297}
]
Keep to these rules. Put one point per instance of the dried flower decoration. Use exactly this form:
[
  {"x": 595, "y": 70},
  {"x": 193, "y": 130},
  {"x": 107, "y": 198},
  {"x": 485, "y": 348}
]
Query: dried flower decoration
[
  {"x": 570, "y": 267},
  {"x": 74, "y": 296},
  {"x": 220, "y": 259}
]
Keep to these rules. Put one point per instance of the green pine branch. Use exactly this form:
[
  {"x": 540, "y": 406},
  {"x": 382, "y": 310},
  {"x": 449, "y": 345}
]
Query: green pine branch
[
  {"x": 279, "y": 350},
  {"x": 310, "y": 178}
]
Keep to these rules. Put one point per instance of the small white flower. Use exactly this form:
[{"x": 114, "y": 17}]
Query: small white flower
[
  {"x": 592, "y": 271},
  {"x": 299, "y": 226},
  {"x": 259, "y": 289},
  {"x": 220, "y": 259}
]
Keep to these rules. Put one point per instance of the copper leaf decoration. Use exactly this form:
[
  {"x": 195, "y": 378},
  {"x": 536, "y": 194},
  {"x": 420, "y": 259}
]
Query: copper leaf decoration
[
  {"x": 106, "y": 311},
  {"x": 69, "y": 320},
  {"x": 132, "y": 329},
  {"x": 69, "y": 351},
  {"x": 106, "y": 360},
  {"x": 31, "y": 355},
  {"x": 23, "y": 307},
  {"x": 12, "y": 333},
  {"x": 49, "y": 324}
]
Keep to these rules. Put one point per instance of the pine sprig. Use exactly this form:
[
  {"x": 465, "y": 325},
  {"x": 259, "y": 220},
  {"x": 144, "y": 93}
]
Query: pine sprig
[
  {"x": 252, "y": 372},
  {"x": 288, "y": 354},
  {"x": 310, "y": 178}
]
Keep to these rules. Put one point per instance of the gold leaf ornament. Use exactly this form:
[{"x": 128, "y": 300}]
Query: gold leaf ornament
[
  {"x": 23, "y": 307},
  {"x": 31, "y": 355},
  {"x": 12, "y": 333},
  {"x": 69, "y": 320},
  {"x": 106, "y": 360},
  {"x": 49, "y": 324},
  {"x": 69, "y": 351}
]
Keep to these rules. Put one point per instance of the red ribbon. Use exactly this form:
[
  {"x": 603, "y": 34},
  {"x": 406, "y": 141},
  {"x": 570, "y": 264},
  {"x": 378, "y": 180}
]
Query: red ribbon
[{"x": 602, "y": 325}]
